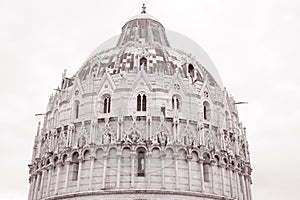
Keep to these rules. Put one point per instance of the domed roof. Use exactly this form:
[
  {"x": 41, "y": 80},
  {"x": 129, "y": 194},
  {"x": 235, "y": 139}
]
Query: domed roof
[
  {"x": 144, "y": 35},
  {"x": 147, "y": 91},
  {"x": 177, "y": 41},
  {"x": 143, "y": 16}
]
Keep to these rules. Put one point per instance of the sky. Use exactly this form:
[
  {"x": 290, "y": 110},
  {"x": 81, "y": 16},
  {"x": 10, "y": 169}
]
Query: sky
[{"x": 254, "y": 44}]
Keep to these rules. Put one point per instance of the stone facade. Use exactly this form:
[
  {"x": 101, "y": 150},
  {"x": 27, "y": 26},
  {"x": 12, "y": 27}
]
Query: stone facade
[{"x": 141, "y": 120}]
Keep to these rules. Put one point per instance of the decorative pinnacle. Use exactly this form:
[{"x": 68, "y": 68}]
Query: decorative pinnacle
[{"x": 144, "y": 9}]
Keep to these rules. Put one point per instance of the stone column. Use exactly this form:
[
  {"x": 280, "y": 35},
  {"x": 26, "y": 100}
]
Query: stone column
[
  {"x": 176, "y": 170},
  {"x": 68, "y": 163},
  {"x": 80, "y": 159},
  {"x": 148, "y": 128},
  {"x": 37, "y": 185},
  {"x": 30, "y": 187},
  {"x": 150, "y": 132},
  {"x": 189, "y": 159},
  {"x": 222, "y": 167},
  {"x": 33, "y": 186},
  {"x": 174, "y": 132},
  {"x": 119, "y": 154},
  {"x": 238, "y": 184},
  {"x": 50, "y": 168},
  {"x": 246, "y": 187},
  {"x": 201, "y": 160},
  {"x": 230, "y": 182},
  {"x": 212, "y": 166},
  {"x": 249, "y": 188},
  {"x": 42, "y": 184},
  {"x": 104, "y": 171},
  {"x": 148, "y": 171},
  {"x": 163, "y": 160},
  {"x": 177, "y": 132},
  {"x": 92, "y": 159},
  {"x": 59, "y": 164},
  {"x": 202, "y": 137},
  {"x": 243, "y": 187},
  {"x": 133, "y": 156},
  {"x": 118, "y": 129}
]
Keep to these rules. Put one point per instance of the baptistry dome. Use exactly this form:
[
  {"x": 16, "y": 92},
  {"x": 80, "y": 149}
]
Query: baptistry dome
[
  {"x": 145, "y": 117},
  {"x": 177, "y": 42}
]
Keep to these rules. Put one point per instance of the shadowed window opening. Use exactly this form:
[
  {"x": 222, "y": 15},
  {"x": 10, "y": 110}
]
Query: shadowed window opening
[
  {"x": 191, "y": 70},
  {"x": 175, "y": 103},
  {"x": 206, "y": 166},
  {"x": 138, "y": 102},
  {"x": 206, "y": 111},
  {"x": 163, "y": 111},
  {"x": 143, "y": 63},
  {"x": 107, "y": 101},
  {"x": 141, "y": 163},
  {"x": 141, "y": 102},
  {"x": 75, "y": 166}
]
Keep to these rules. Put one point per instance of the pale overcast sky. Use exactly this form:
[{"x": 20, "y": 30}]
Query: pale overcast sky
[{"x": 254, "y": 44}]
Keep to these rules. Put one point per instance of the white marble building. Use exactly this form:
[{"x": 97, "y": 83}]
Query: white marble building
[{"x": 145, "y": 117}]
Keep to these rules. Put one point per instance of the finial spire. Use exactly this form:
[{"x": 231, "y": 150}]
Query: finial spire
[{"x": 144, "y": 9}]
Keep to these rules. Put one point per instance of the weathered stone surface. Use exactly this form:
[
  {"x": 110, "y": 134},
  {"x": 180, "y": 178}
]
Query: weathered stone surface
[{"x": 141, "y": 121}]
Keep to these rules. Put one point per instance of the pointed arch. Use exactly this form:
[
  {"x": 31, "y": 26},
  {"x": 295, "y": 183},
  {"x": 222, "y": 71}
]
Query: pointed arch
[{"x": 141, "y": 102}]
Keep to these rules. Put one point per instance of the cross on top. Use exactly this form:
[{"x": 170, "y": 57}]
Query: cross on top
[{"x": 144, "y": 9}]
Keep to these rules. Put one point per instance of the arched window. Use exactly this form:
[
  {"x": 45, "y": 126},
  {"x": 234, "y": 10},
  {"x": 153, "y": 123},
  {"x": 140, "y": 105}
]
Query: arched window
[
  {"x": 75, "y": 166},
  {"x": 141, "y": 163},
  {"x": 191, "y": 70},
  {"x": 141, "y": 102},
  {"x": 206, "y": 166},
  {"x": 144, "y": 102},
  {"x": 106, "y": 107},
  {"x": 175, "y": 103},
  {"x": 138, "y": 102},
  {"x": 86, "y": 155},
  {"x": 206, "y": 111},
  {"x": 76, "y": 109},
  {"x": 143, "y": 63}
]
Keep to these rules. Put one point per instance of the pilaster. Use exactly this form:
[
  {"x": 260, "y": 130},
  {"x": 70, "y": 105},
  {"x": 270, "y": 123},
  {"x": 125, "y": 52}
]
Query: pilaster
[
  {"x": 249, "y": 187},
  {"x": 50, "y": 169},
  {"x": 163, "y": 160},
  {"x": 133, "y": 157},
  {"x": 58, "y": 165},
  {"x": 238, "y": 189},
  {"x": 80, "y": 159},
  {"x": 212, "y": 166},
  {"x": 201, "y": 160},
  {"x": 92, "y": 159},
  {"x": 119, "y": 155},
  {"x": 148, "y": 171},
  {"x": 222, "y": 167},
  {"x": 243, "y": 187},
  {"x": 42, "y": 183},
  {"x": 67, "y": 163},
  {"x": 189, "y": 159},
  {"x": 33, "y": 185},
  {"x": 104, "y": 171},
  {"x": 176, "y": 171},
  {"x": 230, "y": 181}
]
